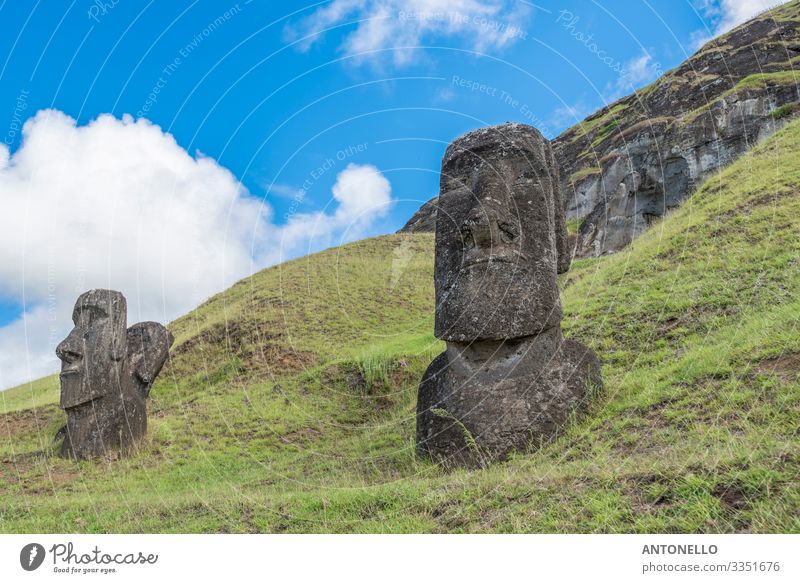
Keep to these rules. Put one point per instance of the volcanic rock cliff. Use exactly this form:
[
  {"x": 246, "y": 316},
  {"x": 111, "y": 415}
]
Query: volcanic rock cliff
[{"x": 626, "y": 165}]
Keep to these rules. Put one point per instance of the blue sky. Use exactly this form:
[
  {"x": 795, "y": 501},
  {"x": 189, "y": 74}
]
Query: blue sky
[{"x": 319, "y": 123}]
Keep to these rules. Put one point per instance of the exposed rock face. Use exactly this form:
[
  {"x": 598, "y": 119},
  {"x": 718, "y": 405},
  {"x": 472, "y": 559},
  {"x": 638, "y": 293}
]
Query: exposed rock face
[
  {"x": 626, "y": 165},
  {"x": 508, "y": 379},
  {"x": 106, "y": 375},
  {"x": 631, "y": 162}
]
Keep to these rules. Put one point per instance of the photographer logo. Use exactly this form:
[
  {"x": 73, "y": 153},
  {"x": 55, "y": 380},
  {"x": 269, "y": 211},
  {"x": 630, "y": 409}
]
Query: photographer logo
[{"x": 31, "y": 556}]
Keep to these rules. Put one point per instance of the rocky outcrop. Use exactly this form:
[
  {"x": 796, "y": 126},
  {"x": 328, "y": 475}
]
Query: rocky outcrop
[
  {"x": 628, "y": 164},
  {"x": 631, "y": 162}
]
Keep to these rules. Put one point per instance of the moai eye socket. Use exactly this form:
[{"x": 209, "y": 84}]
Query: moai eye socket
[
  {"x": 89, "y": 314},
  {"x": 96, "y": 313},
  {"x": 508, "y": 232}
]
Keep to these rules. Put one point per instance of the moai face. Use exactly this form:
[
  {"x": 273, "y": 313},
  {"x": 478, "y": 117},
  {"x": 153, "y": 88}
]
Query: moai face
[
  {"x": 496, "y": 237},
  {"x": 148, "y": 349},
  {"x": 93, "y": 354}
]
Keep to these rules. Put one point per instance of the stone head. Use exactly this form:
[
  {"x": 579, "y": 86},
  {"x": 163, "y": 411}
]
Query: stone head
[
  {"x": 148, "y": 349},
  {"x": 498, "y": 236},
  {"x": 93, "y": 355}
]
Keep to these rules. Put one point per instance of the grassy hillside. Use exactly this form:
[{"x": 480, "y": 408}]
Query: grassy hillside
[{"x": 289, "y": 403}]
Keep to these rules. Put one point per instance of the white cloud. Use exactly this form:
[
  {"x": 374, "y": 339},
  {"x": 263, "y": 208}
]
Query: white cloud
[
  {"x": 363, "y": 195},
  {"x": 632, "y": 75},
  {"x": 444, "y": 95},
  {"x": 392, "y": 24},
  {"x": 728, "y": 14},
  {"x": 635, "y": 74},
  {"x": 639, "y": 71},
  {"x": 119, "y": 204},
  {"x": 360, "y": 190},
  {"x": 27, "y": 346}
]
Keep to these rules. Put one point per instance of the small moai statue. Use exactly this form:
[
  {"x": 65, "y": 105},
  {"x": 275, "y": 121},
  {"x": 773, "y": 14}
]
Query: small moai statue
[
  {"x": 107, "y": 371},
  {"x": 508, "y": 379}
]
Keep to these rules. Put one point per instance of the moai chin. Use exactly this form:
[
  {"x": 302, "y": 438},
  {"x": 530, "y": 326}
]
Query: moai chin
[
  {"x": 106, "y": 374},
  {"x": 508, "y": 380}
]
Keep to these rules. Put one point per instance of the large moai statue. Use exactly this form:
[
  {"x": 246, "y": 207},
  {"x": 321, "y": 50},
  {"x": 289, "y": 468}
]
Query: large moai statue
[
  {"x": 106, "y": 375},
  {"x": 508, "y": 379}
]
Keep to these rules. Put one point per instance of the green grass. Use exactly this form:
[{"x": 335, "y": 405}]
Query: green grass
[
  {"x": 605, "y": 132},
  {"x": 764, "y": 80},
  {"x": 788, "y": 12},
  {"x": 289, "y": 403},
  {"x": 785, "y": 110},
  {"x": 600, "y": 120},
  {"x": 574, "y": 225},
  {"x": 30, "y": 396},
  {"x": 584, "y": 172}
]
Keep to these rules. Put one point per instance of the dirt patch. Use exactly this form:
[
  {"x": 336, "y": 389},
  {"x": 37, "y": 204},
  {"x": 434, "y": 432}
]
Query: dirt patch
[
  {"x": 667, "y": 327},
  {"x": 233, "y": 334},
  {"x": 254, "y": 342},
  {"x": 769, "y": 199},
  {"x": 300, "y": 436},
  {"x": 732, "y": 496},
  {"x": 746, "y": 207},
  {"x": 27, "y": 422},
  {"x": 37, "y": 472},
  {"x": 786, "y": 367},
  {"x": 278, "y": 359}
]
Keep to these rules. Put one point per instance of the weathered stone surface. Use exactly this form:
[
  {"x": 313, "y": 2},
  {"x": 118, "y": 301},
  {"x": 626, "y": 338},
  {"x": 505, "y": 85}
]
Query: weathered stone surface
[
  {"x": 497, "y": 247},
  {"x": 651, "y": 150},
  {"x": 148, "y": 349},
  {"x": 104, "y": 381},
  {"x": 508, "y": 380},
  {"x": 479, "y": 402},
  {"x": 628, "y": 164},
  {"x": 656, "y": 168}
]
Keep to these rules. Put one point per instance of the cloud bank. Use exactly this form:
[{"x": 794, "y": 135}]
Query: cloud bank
[{"x": 118, "y": 204}]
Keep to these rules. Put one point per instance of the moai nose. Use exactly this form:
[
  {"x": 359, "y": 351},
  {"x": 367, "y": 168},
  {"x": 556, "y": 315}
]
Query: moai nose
[
  {"x": 71, "y": 348},
  {"x": 481, "y": 230}
]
